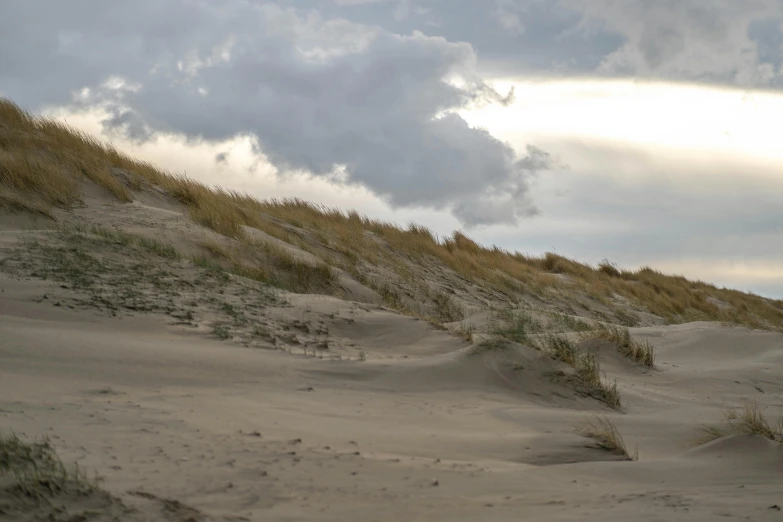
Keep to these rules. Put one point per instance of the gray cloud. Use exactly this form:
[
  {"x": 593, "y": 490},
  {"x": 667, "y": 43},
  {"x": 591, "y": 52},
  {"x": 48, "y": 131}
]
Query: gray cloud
[
  {"x": 701, "y": 217},
  {"x": 509, "y": 16},
  {"x": 720, "y": 41},
  {"x": 221, "y": 157},
  {"x": 689, "y": 39},
  {"x": 512, "y": 37},
  {"x": 317, "y": 93}
]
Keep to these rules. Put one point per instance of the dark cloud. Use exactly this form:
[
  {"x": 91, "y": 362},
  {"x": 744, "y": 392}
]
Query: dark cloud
[{"x": 317, "y": 93}]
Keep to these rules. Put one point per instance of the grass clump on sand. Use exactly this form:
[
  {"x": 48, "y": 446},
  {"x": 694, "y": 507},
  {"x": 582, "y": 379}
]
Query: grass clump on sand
[
  {"x": 511, "y": 325},
  {"x": 514, "y": 325},
  {"x": 34, "y": 470},
  {"x": 221, "y": 332},
  {"x": 270, "y": 264},
  {"x": 748, "y": 420},
  {"x": 36, "y": 485},
  {"x": 124, "y": 239},
  {"x": 639, "y": 351},
  {"x": 567, "y": 323},
  {"x": 587, "y": 366},
  {"x": 607, "y": 437},
  {"x": 447, "y": 310},
  {"x": 491, "y": 344}
]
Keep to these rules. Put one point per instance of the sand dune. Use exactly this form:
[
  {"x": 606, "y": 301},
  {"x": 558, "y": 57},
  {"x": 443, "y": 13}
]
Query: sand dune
[
  {"x": 208, "y": 378},
  {"x": 424, "y": 429}
]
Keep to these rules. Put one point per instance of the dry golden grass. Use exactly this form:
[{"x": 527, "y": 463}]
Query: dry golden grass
[
  {"x": 748, "y": 420},
  {"x": 42, "y": 162},
  {"x": 607, "y": 437},
  {"x": 44, "y": 158}
]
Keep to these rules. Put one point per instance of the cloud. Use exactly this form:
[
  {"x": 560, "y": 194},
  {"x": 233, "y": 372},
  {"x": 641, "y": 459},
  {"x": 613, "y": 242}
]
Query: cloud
[
  {"x": 508, "y": 16},
  {"x": 687, "y": 39},
  {"x": 317, "y": 94},
  {"x": 719, "y": 221},
  {"x": 718, "y": 41},
  {"x": 221, "y": 157},
  {"x": 670, "y": 206},
  {"x": 722, "y": 41}
]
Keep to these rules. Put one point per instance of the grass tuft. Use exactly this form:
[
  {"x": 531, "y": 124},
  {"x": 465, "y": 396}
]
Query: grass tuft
[
  {"x": 639, "y": 351},
  {"x": 607, "y": 437},
  {"x": 221, "y": 331},
  {"x": 37, "y": 470},
  {"x": 568, "y": 323},
  {"x": 609, "y": 268},
  {"x": 587, "y": 366},
  {"x": 447, "y": 310},
  {"x": 748, "y": 420},
  {"x": 514, "y": 325},
  {"x": 125, "y": 239}
]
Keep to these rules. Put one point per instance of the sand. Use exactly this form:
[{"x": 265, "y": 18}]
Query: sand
[{"x": 391, "y": 419}]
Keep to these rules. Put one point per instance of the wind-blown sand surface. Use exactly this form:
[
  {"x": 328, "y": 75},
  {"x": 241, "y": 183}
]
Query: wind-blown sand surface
[{"x": 422, "y": 427}]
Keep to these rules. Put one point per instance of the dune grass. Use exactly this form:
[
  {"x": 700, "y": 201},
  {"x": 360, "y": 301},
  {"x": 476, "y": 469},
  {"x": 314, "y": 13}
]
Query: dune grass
[
  {"x": 124, "y": 239},
  {"x": 567, "y": 323},
  {"x": 43, "y": 161},
  {"x": 447, "y": 310},
  {"x": 36, "y": 471},
  {"x": 514, "y": 325},
  {"x": 637, "y": 350},
  {"x": 521, "y": 325},
  {"x": 586, "y": 364},
  {"x": 607, "y": 437},
  {"x": 748, "y": 420}
]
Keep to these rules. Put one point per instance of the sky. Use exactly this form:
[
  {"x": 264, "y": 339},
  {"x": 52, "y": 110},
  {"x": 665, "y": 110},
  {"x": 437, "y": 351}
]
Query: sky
[{"x": 640, "y": 131}]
